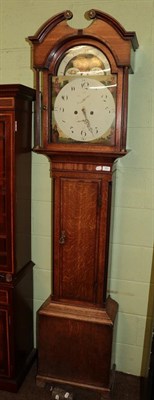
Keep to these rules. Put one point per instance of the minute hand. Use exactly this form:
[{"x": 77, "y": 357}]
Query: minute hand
[{"x": 86, "y": 120}]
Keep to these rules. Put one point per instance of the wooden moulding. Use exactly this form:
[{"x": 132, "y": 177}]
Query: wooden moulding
[
  {"x": 105, "y": 315},
  {"x": 109, "y": 31}
]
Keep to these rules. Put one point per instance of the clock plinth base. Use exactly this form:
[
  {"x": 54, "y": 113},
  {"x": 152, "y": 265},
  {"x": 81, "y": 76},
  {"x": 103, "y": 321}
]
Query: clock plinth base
[{"x": 75, "y": 345}]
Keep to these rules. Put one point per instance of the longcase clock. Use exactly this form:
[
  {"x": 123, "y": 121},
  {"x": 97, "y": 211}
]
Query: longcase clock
[{"x": 81, "y": 119}]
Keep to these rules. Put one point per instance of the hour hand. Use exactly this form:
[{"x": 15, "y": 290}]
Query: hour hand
[{"x": 84, "y": 112}]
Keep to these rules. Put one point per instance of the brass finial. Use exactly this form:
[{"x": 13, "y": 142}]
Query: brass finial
[
  {"x": 68, "y": 14},
  {"x": 91, "y": 14}
]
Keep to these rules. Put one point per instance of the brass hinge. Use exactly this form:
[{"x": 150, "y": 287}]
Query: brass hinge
[{"x": 15, "y": 126}]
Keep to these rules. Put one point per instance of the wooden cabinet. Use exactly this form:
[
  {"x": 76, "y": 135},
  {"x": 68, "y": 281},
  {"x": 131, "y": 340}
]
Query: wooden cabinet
[{"x": 16, "y": 267}]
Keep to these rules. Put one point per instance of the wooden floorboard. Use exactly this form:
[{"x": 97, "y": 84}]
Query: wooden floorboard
[{"x": 126, "y": 387}]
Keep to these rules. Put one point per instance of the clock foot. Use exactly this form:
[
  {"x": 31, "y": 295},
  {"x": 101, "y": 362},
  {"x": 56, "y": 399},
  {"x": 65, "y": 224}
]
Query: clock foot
[
  {"x": 61, "y": 394},
  {"x": 40, "y": 382},
  {"x": 106, "y": 396}
]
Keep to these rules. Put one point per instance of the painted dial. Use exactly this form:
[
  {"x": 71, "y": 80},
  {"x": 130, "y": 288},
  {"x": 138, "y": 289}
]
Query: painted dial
[
  {"x": 84, "y": 109},
  {"x": 84, "y": 60}
]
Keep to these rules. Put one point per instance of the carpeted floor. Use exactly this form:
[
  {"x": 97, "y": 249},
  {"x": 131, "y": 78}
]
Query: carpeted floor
[{"x": 126, "y": 388}]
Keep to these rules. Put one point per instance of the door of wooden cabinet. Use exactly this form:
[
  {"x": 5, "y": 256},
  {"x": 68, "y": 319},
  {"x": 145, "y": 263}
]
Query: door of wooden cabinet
[
  {"x": 15, "y": 178},
  {"x": 5, "y": 191},
  {"x": 80, "y": 260}
]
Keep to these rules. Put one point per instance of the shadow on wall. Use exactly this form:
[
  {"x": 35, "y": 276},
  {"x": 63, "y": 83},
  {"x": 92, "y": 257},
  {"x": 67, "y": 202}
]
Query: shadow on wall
[{"x": 149, "y": 326}]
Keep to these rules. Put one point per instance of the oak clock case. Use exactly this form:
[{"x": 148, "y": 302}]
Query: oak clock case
[{"x": 81, "y": 119}]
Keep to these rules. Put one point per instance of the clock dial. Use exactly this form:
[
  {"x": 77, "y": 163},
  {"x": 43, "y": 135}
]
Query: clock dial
[
  {"x": 84, "y": 98},
  {"x": 84, "y": 108}
]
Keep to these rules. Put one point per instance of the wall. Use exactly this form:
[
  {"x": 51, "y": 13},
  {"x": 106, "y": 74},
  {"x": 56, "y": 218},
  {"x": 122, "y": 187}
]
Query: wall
[{"x": 132, "y": 217}]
